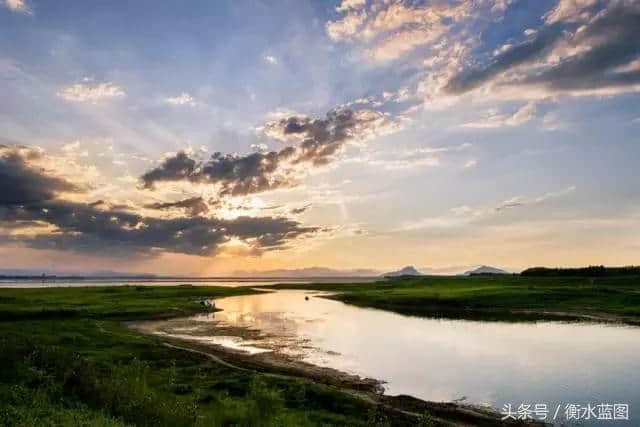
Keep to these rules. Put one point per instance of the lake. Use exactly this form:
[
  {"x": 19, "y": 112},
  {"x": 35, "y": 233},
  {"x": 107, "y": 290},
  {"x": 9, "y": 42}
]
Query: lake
[
  {"x": 478, "y": 362},
  {"x": 52, "y": 282}
]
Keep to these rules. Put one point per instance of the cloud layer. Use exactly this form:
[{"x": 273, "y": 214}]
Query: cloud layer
[
  {"x": 579, "y": 49},
  {"x": 193, "y": 206},
  {"x": 21, "y": 183},
  {"x": 19, "y": 6},
  {"x": 37, "y": 216},
  {"x": 576, "y": 48},
  {"x": 90, "y": 92},
  {"x": 318, "y": 142}
]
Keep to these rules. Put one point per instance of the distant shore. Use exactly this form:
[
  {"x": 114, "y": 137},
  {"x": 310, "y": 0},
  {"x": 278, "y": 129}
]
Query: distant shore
[{"x": 515, "y": 298}]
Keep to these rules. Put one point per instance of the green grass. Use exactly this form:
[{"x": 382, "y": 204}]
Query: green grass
[
  {"x": 66, "y": 358},
  {"x": 115, "y": 302},
  {"x": 495, "y": 297}
]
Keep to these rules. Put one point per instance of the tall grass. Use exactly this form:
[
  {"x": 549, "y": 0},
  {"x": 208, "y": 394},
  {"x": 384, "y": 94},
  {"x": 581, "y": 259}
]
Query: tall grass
[{"x": 50, "y": 385}]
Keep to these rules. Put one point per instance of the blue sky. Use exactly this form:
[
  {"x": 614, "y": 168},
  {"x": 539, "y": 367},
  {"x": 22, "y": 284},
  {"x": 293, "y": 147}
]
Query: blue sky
[{"x": 351, "y": 134}]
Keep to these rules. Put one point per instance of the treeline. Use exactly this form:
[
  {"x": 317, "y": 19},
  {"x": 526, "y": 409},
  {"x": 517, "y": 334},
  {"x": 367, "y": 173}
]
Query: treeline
[{"x": 592, "y": 270}]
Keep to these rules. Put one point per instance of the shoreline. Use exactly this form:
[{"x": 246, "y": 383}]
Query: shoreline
[
  {"x": 269, "y": 361},
  {"x": 613, "y": 300},
  {"x": 90, "y": 329},
  {"x": 275, "y": 364},
  {"x": 108, "y": 311},
  {"x": 496, "y": 314}
]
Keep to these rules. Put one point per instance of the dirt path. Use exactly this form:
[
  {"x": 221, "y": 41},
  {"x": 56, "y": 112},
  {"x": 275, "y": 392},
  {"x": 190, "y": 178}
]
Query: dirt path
[{"x": 208, "y": 355}]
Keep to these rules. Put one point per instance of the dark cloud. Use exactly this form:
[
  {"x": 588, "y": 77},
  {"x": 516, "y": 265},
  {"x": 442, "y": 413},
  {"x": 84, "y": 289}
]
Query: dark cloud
[
  {"x": 194, "y": 206},
  {"x": 319, "y": 142},
  {"x": 297, "y": 211},
  {"x": 81, "y": 227},
  {"x": 21, "y": 183},
  {"x": 268, "y": 208},
  {"x": 237, "y": 175},
  {"x": 173, "y": 168},
  {"x": 607, "y": 41},
  {"x": 522, "y": 53},
  {"x": 28, "y": 199},
  {"x": 240, "y": 175},
  {"x": 509, "y": 205},
  {"x": 322, "y": 138},
  {"x": 614, "y": 39}
]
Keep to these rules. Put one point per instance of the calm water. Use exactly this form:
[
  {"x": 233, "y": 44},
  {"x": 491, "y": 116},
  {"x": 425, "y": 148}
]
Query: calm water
[
  {"x": 223, "y": 281},
  {"x": 489, "y": 363}
]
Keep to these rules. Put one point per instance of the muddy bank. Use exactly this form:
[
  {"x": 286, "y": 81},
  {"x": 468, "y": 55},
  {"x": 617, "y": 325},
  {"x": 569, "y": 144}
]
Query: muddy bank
[{"x": 269, "y": 360}]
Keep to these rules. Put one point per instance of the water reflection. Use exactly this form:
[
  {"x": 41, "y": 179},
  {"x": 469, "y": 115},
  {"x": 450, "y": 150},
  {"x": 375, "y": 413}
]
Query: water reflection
[
  {"x": 80, "y": 282},
  {"x": 488, "y": 362}
]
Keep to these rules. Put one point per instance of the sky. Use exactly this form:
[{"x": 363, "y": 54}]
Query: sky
[{"x": 222, "y": 137}]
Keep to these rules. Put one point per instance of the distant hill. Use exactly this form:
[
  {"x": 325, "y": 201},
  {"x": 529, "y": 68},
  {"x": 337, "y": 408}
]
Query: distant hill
[
  {"x": 308, "y": 272},
  {"x": 406, "y": 271},
  {"x": 485, "y": 269}
]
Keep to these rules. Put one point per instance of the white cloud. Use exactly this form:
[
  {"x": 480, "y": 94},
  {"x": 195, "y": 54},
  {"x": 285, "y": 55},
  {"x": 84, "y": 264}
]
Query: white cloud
[
  {"x": 347, "y": 27},
  {"x": 19, "y": 6},
  {"x": 350, "y": 4},
  {"x": 554, "y": 194},
  {"x": 259, "y": 147},
  {"x": 183, "y": 99},
  {"x": 495, "y": 120},
  {"x": 570, "y": 10},
  {"x": 464, "y": 215},
  {"x": 72, "y": 149},
  {"x": 88, "y": 92},
  {"x": 631, "y": 66},
  {"x": 399, "y": 44},
  {"x": 405, "y": 161},
  {"x": 551, "y": 122},
  {"x": 71, "y": 146},
  {"x": 271, "y": 59},
  {"x": 398, "y": 15},
  {"x": 410, "y": 159},
  {"x": 501, "y": 5},
  {"x": 393, "y": 29}
]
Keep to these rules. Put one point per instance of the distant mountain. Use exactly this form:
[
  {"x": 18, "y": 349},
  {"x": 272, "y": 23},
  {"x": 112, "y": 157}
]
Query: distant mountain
[
  {"x": 406, "y": 271},
  {"x": 485, "y": 269},
  {"x": 308, "y": 272}
]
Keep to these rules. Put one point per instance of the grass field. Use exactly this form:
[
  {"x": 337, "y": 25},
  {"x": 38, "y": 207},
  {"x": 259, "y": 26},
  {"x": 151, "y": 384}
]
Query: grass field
[
  {"x": 68, "y": 358},
  {"x": 496, "y": 297}
]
